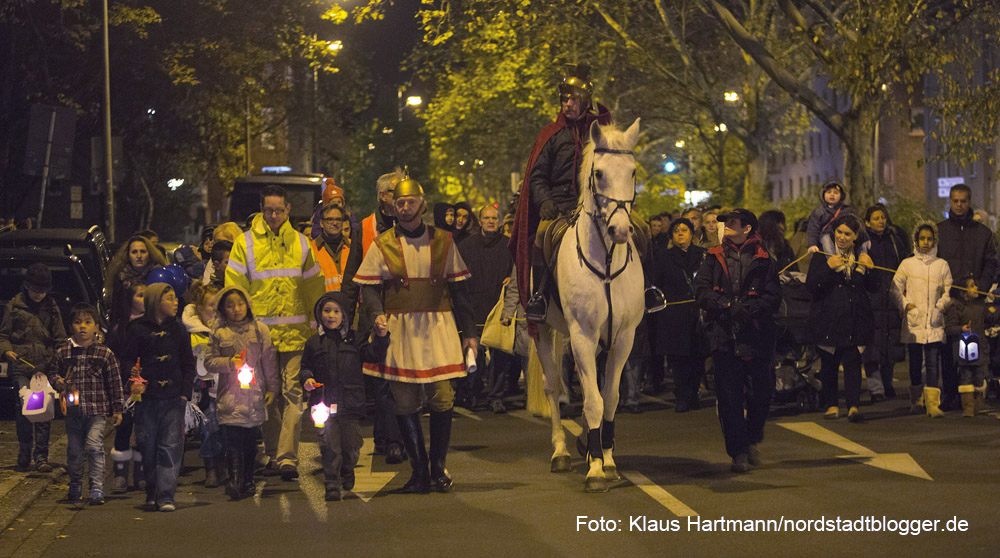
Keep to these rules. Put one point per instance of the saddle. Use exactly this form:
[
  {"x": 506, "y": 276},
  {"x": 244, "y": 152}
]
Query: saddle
[{"x": 550, "y": 234}]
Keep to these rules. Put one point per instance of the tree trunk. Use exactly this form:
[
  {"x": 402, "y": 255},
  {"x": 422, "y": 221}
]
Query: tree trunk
[
  {"x": 859, "y": 159},
  {"x": 755, "y": 182}
]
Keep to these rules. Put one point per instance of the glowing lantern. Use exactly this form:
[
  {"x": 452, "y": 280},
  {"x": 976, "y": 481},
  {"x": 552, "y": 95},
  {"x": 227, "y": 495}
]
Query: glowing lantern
[
  {"x": 71, "y": 403},
  {"x": 968, "y": 347},
  {"x": 39, "y": 402},
  {"x": 320, "y": 412},
  {"x": 244, "y": 373}
]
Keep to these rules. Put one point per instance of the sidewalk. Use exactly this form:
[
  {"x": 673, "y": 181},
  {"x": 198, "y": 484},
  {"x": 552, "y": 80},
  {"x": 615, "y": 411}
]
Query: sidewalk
[{"x": 18, "y": 490}]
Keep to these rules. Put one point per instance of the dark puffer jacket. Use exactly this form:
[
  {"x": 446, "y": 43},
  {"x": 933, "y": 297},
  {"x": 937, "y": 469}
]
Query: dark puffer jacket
[
  {"x": 31, "y": 333},
  {"x": 969, "y": 248},
  {"x": 737, "y": 287},
  {"x": 887, "y": 250},
  {"x": 841, "y": 312},
  {"x": 554, "y": 175},
  {"x": 333, "y": 358}
]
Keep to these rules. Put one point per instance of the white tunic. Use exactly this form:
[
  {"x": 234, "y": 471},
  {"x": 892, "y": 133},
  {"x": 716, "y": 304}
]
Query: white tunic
[{"x": 424, "y": 347}]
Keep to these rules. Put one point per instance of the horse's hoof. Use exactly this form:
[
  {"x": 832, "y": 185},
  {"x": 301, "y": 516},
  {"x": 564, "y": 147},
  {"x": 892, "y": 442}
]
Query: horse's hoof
[
  {"x": 561, "y": 464},
  {"x": 596, "y": 484},
  {"x": 611, "y": 474},
  {"x": 581, "y": 444}
]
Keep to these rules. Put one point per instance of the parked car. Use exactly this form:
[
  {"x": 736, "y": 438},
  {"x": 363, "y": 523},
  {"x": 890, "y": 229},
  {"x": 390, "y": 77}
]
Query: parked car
[{"x": 89, "y": 245}]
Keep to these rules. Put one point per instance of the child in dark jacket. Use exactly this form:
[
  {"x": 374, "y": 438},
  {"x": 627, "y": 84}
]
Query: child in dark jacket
[
  {"x": 331, "y": 364},
  {"x": 832, "y": 204},
  {"x": 969, "y": 316},
  {"x": 162, "y": 347}
]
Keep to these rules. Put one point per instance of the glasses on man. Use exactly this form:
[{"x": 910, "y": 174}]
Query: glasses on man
[{"x": 332, "y": 220}]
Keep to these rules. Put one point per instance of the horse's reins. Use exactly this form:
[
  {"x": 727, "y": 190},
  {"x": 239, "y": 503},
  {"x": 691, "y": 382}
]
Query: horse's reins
[{"x": 607, "y": 276}]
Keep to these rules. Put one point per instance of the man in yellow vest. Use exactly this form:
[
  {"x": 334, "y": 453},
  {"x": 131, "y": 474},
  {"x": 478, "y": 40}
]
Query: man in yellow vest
[
  {"x": 275, "y": 264},
  {"x": 414, "y": 282},
  {"x": 334, "y": 251}
]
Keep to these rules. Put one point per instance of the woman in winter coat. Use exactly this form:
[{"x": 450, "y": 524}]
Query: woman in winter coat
[
  {"x": 840, "y": 317},
  {"x": 241, "y": 339},
  {"x": 889, "y": 247},
  {"x": 677, "y": 332},
  {"x": 920, "y": 291},
  {"x": 131, "y": 264}
]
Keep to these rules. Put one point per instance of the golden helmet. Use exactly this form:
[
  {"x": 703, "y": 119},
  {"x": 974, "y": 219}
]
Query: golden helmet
[
  {"x": 577, "y": 82},
  {"x": 408, "y": 187}
]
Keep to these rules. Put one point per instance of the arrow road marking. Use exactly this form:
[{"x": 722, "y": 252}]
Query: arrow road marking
[
  {"x": 367, "y": 483},
  {"x": 901, "y": 463},
  {"x": 656, "y": 492}
]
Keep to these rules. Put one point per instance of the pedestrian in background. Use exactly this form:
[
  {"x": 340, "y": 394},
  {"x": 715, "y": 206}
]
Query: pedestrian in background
[
  {"x": 123, "y": 453},
  {"x": 889, "y": 247},
  {"x": 88, "y": 370},
  {"x": 840, "y": 316},
  {"x": 240, "y": 339},
  {"x": 131, "y": 264},
  {"x": 31, "y": 328}
]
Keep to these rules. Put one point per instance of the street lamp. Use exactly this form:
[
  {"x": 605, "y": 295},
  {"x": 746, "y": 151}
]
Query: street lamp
[
  {"x": 335, "y": 45},
  {"x": 414, "y": 101},
  {"x": 731, "y": 96},
  {"x": 679, "y": 144}
]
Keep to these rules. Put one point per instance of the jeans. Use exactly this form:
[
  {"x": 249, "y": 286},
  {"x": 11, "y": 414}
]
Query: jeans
[
  {"x": 629, "y": 389},
  {"x": 927, "y": 355},
  {"x": 743, "y": 390},
  {"x": 211, "y": 438},
  {"x": 829, "y": 363},
  {"x": 500, "y": 369},
  {"x": 972, "y": 374},
  {"x": 86, "y": 433},
  {"x": 159, "y": 425},
  {"x": 284, "y": 415},
  {"x": 340, "y": 448},
  {"x": 949, "y": 369}
]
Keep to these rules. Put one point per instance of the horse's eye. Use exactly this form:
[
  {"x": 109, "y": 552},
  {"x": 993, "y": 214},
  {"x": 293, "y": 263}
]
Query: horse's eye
[{"x": 598, "y": 174}]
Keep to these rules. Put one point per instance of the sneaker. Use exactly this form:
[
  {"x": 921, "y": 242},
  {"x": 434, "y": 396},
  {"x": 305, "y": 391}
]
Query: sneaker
[
  {"x": 348, "y": 479},
  {"x": 168, "y": 507},
  {"x": 854, "y": 415},
  {"x": 74, "y": 494},
  {"x": 877, "y": 398},
  {"x": 682, "y": 406},
  {"x": 394, "y": 455},
  {"x": 43, "y": 467},
  {"x": 96, "y": 499},
  {"x": 741, "y": 464},
  {"x": 832, "y": 413},
  {"x": 150, "y": 504},
  {"x": 270, "y": 470},
  {"x": 753, "y": 456},
  {"x": 332, "y": 495},
  {"x": 288, "y": 472},
  {"x": 498, "y": 408}
]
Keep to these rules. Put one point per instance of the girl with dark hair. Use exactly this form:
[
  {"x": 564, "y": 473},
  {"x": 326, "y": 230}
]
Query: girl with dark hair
[
  {"x": 677, "y": 332},
  {"x": 840, "y": 317},
  {"x": 771, "y": 227},
  {"x": 888, "y": 248}
]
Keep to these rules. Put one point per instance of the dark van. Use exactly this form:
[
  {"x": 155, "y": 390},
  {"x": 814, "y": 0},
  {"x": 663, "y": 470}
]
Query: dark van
[{"x": 304, "y": 192}]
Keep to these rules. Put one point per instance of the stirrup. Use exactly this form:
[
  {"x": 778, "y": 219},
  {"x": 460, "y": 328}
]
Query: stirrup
[
  {"x": 536, "y": 309},
  {"x": 655, "y": 300}
]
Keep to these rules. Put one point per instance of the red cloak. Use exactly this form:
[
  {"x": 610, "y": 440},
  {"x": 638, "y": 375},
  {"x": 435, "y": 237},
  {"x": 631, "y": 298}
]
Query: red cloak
[{"x": 526, "y": 218}]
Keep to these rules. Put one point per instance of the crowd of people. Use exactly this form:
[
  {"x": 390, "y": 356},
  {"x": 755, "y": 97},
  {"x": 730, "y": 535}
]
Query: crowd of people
[{"x": 270, "y": 320}]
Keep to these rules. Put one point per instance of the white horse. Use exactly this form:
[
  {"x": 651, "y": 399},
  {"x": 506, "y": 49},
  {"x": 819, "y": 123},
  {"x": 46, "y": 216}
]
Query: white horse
[{"x": 600, "y": 283}]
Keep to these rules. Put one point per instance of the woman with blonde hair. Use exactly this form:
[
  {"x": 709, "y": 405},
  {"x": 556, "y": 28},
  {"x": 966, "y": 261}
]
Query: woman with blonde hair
[{"x": 130, "y": 264}]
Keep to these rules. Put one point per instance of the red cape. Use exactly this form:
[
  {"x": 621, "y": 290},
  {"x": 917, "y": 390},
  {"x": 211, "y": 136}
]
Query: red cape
[{"x": 522, "y": 235}]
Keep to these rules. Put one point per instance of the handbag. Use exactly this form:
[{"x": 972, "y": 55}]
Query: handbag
[{"x": 495, "y": 334}]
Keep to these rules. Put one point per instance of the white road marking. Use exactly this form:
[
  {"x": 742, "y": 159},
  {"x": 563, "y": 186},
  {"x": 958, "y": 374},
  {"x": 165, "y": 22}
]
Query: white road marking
[
  {"x": 467, "y": 413},
  {"x": 313, "y": 488},
  {"x": 901, "y": 463},
  {"x": 286, "y": 508},
  {"x": 573, "y": 427},
  {"x": 367, "y": 483},
  {"x": 658, "y": 493}
]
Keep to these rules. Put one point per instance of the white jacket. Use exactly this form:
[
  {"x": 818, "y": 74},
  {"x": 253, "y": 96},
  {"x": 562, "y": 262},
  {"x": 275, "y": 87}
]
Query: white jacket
[{"x": 922, "y": 280}]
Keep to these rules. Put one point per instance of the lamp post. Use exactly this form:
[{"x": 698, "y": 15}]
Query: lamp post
[{"x": 107, "y": 129}]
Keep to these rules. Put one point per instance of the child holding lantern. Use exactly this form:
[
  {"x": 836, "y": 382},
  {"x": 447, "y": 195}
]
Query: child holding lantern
[
  {"x": 331, "y": 371},
  {"x": 241, "y": 353}
]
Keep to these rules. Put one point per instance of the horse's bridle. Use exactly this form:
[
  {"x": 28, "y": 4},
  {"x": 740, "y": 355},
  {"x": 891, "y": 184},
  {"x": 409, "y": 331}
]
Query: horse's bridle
[{"x": 602, "y": 224}]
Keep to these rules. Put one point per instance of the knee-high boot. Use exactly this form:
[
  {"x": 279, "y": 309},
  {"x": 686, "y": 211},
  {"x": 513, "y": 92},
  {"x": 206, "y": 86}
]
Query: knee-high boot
[
  {"x": 234, "y": 462},
  {"x": 440, "y": 439},
  {"x": 120, "y": 461},
  {"x": 413, "y": 441}
]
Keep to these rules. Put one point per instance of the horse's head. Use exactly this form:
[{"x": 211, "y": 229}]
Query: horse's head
[{"x": 608, "y": 170}]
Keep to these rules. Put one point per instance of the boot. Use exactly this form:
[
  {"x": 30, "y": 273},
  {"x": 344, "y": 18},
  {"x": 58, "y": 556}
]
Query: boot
[
  {"x": 120, "y": 461},
  {"x": 249, "y": 455},
  {"x": 138, "y": 472},
  {"x": 537, "y": 306},
  {"x": 980, "y": 398},
  {"x": 234, "y": 463},
  {"x": 23, "y": 456},
  {"x": 917, "y": 400},
  {"x": 440, "y": 439},
  {"x": 413, "y": 442},
  {"x": 968, "y": 393},
  {"x": 211, "y": 475},
  {"x": 932, "y": 401}
]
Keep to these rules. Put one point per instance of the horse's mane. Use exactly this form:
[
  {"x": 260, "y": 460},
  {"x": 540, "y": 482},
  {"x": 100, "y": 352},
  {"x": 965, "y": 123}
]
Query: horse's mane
[{"x": 615, "y": 139}]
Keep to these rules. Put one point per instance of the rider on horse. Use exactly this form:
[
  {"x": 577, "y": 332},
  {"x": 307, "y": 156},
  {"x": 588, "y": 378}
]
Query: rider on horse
[{"x": 549, "y": 190}]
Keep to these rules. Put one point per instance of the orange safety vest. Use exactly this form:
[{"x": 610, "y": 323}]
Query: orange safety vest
[
  {"x": 332, "y": 274},
  {"x": 369, "y": 231}
]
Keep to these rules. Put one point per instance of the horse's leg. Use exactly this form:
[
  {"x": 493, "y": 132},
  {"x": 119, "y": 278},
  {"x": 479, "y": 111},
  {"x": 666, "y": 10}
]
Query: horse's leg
[
  {"x": 550, "y": 355},
  {"x": 585, "y": 353},
  {"x": 609, "y": 392}
]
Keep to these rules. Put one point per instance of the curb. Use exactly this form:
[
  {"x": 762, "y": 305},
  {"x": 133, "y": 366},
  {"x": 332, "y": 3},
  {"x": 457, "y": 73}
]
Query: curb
[{"x": 15, "y": 501}]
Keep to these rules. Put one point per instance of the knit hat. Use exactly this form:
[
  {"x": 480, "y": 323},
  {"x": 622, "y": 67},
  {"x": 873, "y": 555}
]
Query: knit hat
[
  {"x": 331, "y": 192},
  {"x": 153, "y": 296},
  {"x": 38, "y": 278}
]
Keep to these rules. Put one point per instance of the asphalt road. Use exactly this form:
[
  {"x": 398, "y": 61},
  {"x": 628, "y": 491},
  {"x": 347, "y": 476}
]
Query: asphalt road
[{"x": 938, "y": 476}]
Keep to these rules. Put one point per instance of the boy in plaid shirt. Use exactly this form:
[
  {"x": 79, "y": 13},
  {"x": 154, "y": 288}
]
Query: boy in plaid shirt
[{"x": 88, "y": 370}]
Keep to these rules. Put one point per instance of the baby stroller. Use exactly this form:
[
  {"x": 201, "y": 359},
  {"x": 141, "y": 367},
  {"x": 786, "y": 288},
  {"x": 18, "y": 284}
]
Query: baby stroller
[{"x": 795, "y": 370}]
